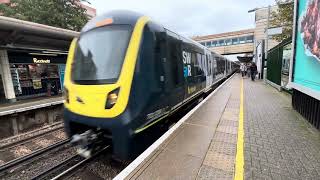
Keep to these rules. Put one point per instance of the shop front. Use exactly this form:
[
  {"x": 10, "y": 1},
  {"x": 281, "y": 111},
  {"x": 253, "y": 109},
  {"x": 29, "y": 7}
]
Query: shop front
[{"x": 36, "y": 74}]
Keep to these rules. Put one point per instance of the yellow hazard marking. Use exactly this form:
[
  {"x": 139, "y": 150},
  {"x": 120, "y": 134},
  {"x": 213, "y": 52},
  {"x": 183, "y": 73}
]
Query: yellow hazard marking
[{"x": 240, "y": 156}]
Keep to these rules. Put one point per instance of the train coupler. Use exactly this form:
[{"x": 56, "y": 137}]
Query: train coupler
[{"x": 87, "y": 143}]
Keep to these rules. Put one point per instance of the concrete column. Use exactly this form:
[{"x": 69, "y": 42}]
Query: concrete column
[{"x": 6, "y": 76}]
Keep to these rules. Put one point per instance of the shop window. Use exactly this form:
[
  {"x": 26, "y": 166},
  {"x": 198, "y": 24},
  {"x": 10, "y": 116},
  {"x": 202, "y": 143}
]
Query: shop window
[
  {"x": 208, "y": 44},
  {"x": 34, "y": 79},
  {"x": 203, "y": 44}
]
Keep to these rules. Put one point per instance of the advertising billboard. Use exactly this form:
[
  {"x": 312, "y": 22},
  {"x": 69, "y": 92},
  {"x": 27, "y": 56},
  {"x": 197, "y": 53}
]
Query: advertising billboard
[{"x": 306, "y": 61}]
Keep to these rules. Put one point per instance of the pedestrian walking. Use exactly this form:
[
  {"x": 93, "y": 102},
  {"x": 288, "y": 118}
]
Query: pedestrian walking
[
  {"x": 253, "y": 70},
  {"x": 248, "y": 70}
]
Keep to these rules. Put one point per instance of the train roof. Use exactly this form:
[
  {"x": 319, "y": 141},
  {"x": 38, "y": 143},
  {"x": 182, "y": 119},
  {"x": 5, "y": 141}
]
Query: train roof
[
  {"x": 130, "y": 18},
  {"x": 117, "y": 16}
]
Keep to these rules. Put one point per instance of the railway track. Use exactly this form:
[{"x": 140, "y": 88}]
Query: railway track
[
  {"x": 17, "y": 162},
  {"x": 17, "y": 140},
  {"x": 67, "y": 166}
]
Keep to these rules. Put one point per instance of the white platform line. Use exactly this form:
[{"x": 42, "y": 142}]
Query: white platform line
[
  {"x": 30, "y": 108},
  {"x": 134, "y": 164}
]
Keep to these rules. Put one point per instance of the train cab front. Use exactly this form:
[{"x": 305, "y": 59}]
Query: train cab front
[{"x": 98, "y": 78}]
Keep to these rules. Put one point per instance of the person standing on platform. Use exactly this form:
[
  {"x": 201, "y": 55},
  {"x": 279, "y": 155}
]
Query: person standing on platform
[
  {"x": 253, "y": 70},
  {"x": 243, "y": 69}
]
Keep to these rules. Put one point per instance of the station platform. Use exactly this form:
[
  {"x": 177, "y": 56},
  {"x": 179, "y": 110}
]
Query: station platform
[
  {"x": 244, "y": 130},
  {"x": 29, "y": 104}
]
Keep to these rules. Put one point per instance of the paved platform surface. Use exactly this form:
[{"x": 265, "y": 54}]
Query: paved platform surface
[
  {"x": 278, "y": 143},
  {"x": 35, "y": 102}
]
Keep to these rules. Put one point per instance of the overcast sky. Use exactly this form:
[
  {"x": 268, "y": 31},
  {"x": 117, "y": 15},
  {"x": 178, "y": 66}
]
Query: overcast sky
[{"x": 191, "y": 17}]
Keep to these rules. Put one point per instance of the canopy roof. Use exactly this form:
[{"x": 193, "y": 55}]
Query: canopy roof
[{"x": 18, "y": 34}]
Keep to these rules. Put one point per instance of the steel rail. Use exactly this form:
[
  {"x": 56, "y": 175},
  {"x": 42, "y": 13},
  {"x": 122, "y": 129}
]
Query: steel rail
[
  {"x": 43, "y": 174},
  {"x": 55, "y": 127},
  {"x": 64, "y": 173},
  {"x": 38, "y": 152}
]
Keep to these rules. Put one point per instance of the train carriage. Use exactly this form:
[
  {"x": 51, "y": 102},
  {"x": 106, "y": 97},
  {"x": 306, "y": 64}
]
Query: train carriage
[{"x": 125, "y": 73}]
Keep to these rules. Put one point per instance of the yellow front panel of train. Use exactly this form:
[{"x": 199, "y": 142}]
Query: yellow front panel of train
[{"x": 90, "y": 100}]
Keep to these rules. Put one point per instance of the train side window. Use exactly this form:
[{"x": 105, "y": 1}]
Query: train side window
[
  {"x": 208, "y": 65},
  {"x": 174, "y": 48},
  {"x": 196, "y": 60},
  {"x": 204, "y": 65}
]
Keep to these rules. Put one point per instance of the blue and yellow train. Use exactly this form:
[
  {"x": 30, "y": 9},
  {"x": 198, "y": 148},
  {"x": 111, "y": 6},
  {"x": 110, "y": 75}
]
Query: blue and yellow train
[{"x": 126, "y": 73}]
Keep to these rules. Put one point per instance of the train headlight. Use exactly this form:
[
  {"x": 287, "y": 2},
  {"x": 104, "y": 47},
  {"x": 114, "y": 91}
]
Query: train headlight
[{"x": 112, "y": 98}]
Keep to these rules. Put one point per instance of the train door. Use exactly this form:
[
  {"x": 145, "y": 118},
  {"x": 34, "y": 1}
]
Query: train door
[
  {"x": 174, "y": 70},
  {"x": 214, "y": 67},
  {"x": 206, "y": 69}
]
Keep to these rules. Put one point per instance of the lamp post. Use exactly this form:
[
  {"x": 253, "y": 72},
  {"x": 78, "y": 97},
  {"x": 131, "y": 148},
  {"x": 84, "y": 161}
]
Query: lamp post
[
  {"x": 267, "y": 32},
  {"x": 251, "y": 11},
  {"x": 256, "y": 44},
  {"x": 268, "y": 24}
]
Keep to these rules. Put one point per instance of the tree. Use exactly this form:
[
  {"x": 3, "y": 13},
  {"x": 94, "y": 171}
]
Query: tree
[
  {"x": 283, "y": 17},
  {"x": 66, "y": 14}
]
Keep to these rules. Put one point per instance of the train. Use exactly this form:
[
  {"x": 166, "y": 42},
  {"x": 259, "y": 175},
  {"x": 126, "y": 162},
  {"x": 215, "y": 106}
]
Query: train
[{"x": 125, "y": 73}]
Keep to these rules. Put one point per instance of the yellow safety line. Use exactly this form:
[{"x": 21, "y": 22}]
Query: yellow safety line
[{"x": 240, "y": 156}]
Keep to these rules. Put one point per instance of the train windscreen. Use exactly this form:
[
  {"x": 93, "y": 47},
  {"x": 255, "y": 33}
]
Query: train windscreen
[{"x": 100, "y": 54}]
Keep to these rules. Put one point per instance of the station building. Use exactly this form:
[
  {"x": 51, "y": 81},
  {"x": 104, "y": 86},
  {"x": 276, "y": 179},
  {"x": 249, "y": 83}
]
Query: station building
[
  {"x": 252, "y": 44},
  {"x": 32, "y": 59},
  {"x": 242, "y": 41}
]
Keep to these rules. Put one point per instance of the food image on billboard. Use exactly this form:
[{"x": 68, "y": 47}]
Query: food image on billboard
[
  {"x": 310, "y": 29},
  {"x": 307, "y": 51}
]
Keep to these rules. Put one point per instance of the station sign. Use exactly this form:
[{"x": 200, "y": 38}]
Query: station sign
[
  {"x": 274, "y": 31},
  {"x": 26, "y": 58},
  {"x": 41, "y": 61}
]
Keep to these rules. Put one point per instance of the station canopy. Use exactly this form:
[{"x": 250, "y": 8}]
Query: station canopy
[
  {"x": 245, "y": 59},
  {"x": 24, "y": 35}
]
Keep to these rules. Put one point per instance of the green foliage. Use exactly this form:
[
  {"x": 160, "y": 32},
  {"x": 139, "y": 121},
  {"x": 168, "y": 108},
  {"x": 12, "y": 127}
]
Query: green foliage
[
  {"x": 66, "y": 14},
  {"x": 283, "y": 17}
]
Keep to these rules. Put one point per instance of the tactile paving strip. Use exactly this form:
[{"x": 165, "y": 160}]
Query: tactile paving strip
[
  {"x": 223, "y": 148},
  {"x": 233, "y": 104},
  {"x": 228, "y": 129},
  {"x": 233, "y": 110},
  {"x": 230, "y": 116},
  {"x": 228, "y": 123},
  {"x": 207, "y": 172},
  {"x": 219, "y": 161},
  {"x": 225, "y": 137}
]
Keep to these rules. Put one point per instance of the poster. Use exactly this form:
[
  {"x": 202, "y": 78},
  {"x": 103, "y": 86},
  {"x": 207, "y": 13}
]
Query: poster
[
  {"x": 286, "y": 55},
  {"x": 307, "y": 47},
  {"x": 36, "y": 84},
  {"x": 61, "y": 74},
  {"x": 259, "y": 58}
]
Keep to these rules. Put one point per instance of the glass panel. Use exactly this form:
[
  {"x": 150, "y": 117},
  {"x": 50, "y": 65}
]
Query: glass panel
[
  {"x": 228, "y": 42},
  {"x": 242, "y": 40},
  {"x": 235, "y": 41},
  {"x": 222, "y": 43},
  {"x": 249, "y": 39},
  {"x": 214, "y": 43},
  {"x": 100, "y": 54}
]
